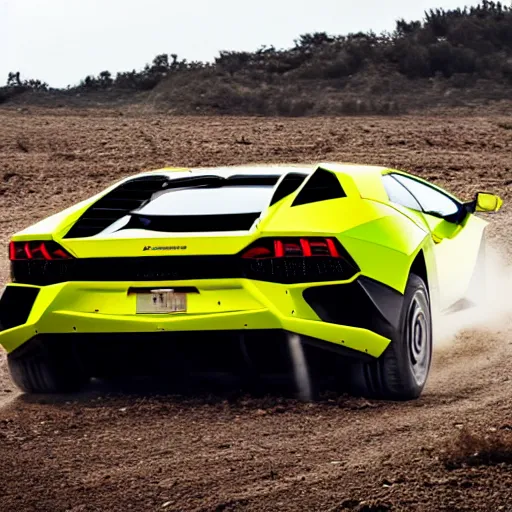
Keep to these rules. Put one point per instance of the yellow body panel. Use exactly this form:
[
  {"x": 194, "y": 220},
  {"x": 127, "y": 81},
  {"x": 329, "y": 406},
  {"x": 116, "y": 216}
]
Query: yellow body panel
[
  {"x": 455, "y": 254},
  {"x": 224, "y": 304}
]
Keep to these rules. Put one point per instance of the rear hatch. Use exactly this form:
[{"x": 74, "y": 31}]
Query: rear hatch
[
  {"x": 157, "y": 228},
  {"x": 155, "y": 215}
]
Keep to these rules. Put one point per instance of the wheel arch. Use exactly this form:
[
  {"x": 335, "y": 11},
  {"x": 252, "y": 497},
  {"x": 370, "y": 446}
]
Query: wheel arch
[
  {"x": 424, "y": 266},
  {"x": 419, "y": 268}
]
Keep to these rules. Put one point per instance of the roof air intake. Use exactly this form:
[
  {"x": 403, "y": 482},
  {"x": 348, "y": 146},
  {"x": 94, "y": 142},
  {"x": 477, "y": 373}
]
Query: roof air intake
[{"x": 321, "y": 186}]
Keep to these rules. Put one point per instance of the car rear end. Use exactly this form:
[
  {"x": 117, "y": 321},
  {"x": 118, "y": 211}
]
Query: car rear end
[{"x": 159, "y": 273}]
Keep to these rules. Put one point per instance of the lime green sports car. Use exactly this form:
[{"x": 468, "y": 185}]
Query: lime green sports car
[{"x": 190, "y": 270}]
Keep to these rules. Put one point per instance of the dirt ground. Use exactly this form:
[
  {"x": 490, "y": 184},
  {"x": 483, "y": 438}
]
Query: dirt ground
[{"x": 114, "y": 450}]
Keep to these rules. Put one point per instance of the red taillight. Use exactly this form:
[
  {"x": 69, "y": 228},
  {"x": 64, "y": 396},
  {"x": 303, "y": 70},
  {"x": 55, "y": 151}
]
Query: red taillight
[
  {"x": 293, "y": 247},
  {"x": 37, "y": 250},
  {"x": 257, "y": 252},
  {"x": 12, "y": 251},
  {"x": 306, "y": 247},
  {"x": 333, "y": 250},
  {"x": 278, "y": 249}
]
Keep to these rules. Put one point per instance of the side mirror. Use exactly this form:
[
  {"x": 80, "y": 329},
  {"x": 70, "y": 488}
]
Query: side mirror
[{"x": 485, "y": 202}]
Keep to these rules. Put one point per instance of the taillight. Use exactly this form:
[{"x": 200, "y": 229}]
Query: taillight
[
  {"x": 306, "y": 247},
  {"x": 37, "y": 250}
]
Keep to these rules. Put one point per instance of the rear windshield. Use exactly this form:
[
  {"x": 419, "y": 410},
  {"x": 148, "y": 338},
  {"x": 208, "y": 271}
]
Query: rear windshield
[{"x": 209, "y": 201}]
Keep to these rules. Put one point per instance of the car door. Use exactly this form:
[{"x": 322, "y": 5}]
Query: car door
[{"x": 457, "y": 236}]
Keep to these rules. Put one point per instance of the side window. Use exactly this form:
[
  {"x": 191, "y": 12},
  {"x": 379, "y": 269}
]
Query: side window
[
  {"x": 398, "y": 194},
  {"x": 431, "y": 200}
]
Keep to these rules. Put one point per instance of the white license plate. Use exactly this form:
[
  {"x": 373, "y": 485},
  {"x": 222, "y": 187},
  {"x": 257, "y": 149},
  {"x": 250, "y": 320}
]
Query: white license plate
[{"x": 161, "y": 301}]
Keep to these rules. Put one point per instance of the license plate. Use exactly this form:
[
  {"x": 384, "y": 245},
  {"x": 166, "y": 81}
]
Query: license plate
[{"x": 161, "y": 302}]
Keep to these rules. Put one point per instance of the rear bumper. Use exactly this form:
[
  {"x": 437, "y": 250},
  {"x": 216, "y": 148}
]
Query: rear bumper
[{"x": 235, "y": 305}]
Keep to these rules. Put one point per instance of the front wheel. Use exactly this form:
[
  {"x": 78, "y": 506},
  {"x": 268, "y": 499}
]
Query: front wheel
[{"x": 401, "y": 372}]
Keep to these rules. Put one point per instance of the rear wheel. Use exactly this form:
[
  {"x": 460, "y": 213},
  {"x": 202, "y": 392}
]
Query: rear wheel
[
  {"x": 43, "y": 367},
  {"x": 402, "y": 371}
]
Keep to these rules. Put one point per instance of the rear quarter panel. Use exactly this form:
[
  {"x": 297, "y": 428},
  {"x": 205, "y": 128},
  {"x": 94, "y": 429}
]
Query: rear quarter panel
[
  {"x": 385, "y": 248},
  {"x": 382, "y": 241}
]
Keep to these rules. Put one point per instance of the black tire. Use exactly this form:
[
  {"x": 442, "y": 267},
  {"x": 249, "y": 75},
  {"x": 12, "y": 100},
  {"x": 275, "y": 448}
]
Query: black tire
[
  {"x": 401, "y": 372},
  {"x": 45, "y": 367}
]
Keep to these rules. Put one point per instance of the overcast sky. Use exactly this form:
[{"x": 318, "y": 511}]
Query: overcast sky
[{"x": 61, "y": 41}]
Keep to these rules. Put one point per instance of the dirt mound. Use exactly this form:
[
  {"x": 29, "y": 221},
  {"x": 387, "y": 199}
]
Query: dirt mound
[
  {"x": 113, "y": 449},
  {"x": 471, "y": 449}
]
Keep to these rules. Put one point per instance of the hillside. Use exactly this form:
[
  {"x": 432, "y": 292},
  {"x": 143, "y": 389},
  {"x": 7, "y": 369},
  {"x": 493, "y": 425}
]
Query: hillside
[{"x": 450, "y": 58}]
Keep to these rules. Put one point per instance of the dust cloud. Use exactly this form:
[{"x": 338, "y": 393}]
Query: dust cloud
[
  {"x": 300, "y": 368},
  {"x": 493, "y": 311}
]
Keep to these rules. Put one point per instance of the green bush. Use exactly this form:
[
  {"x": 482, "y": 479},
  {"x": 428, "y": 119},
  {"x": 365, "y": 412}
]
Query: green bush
[{"x": 460, "y": 45}]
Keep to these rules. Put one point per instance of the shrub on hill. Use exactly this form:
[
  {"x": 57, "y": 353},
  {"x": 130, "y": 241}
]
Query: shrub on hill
[{"x": 463, "y": 47}]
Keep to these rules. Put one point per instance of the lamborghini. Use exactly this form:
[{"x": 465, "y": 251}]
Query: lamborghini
[{"x": 176, "y": 271}]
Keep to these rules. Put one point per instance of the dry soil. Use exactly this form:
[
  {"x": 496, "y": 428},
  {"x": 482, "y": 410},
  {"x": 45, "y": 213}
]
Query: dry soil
[{"x": 107, "y": 450}]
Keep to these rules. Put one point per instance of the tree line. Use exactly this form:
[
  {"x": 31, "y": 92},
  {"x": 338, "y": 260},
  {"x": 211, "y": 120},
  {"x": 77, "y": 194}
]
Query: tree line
[{"x": 475, "y": 41}]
